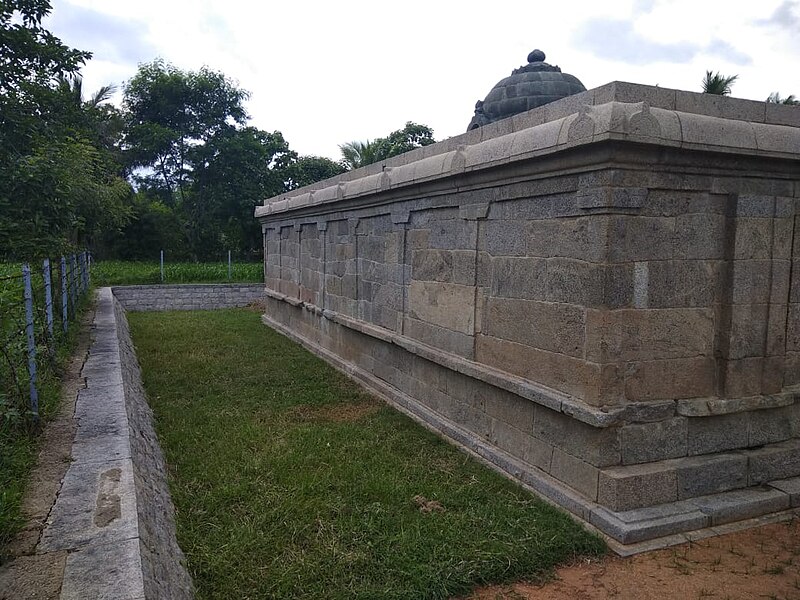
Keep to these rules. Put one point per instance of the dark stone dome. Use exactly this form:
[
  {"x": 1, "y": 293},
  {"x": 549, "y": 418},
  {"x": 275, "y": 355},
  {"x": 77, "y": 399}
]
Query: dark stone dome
[{"x": 535, "y": 84}]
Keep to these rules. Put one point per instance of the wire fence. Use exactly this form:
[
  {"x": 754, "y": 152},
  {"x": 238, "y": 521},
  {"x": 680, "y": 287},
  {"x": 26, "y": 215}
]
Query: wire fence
[
  {"x": 167, "y": 271},
  {"x": 38, "y": 304}
]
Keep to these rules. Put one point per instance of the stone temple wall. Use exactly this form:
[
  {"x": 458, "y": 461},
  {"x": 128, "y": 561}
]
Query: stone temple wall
[{"x": 599, "y": 297}]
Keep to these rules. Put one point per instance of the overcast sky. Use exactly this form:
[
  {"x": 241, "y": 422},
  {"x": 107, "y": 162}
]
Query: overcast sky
[{"x": 329, "y": 72}]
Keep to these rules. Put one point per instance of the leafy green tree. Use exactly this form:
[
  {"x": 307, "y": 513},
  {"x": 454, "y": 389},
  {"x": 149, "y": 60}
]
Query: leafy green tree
[
  {"x": 404, "y": 140},
  {"x": 32, "y": 58},
  {"x": 775, "y": 98},
  {"x": 188, "y": 141},
  {"x": 171, "y": 111},
  {"x": 153, "y": 226},
  {"x": 235, "y": 171},
  {"x": 360, "y": 154},
  {"x": 310, "y": 169},
  {"x": 59, "y": 186},
  {"x": 714, "y": 83}
]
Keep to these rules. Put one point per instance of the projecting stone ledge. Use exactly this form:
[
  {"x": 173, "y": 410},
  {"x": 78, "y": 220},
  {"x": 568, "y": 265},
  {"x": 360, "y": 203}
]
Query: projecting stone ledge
[
  {"x": 596, "y": 296},
  {"x": 617, "y": 111}
]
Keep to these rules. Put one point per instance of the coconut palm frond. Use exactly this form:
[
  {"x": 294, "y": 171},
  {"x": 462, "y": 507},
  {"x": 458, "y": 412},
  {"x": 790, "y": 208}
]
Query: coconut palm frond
[
  {"x": 715, "y": 83},
  {"x": 101, "y": 95},
  {"x": 775, "y": 98},
  {"x": 358, "y": 154}
]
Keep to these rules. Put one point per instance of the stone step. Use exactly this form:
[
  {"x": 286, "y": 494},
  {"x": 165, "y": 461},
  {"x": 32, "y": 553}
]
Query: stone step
[
  {"x": 712, "y": 510},
  {"x": 631, "y": 487}
]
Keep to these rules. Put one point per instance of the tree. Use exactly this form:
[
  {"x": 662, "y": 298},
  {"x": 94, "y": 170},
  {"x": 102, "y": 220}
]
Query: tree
[
  {"x": 188, "y": 141},
  {"x": 169, "y": 111},
  {"x": 235, "y": 171},
  {"x": 404, "y": 140},
  {"x": 775, "y": 98},
  {"x": 72, "y": 86},
  {"x": 32, "y": 57},
  {"x": 359, "y": 154},
  {"x": 714, "y": 83},
  {"x": 58, "y": 185},
  {"x": 310, "y": 169},
  {"x": 153, "y": 226}
]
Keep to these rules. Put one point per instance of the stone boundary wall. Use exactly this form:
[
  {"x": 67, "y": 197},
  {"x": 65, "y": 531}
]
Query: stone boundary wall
[
  {"x": 604, "y": 291},
  {"x": 163, "y": 564},
  {"x": 188, "y": 296},
  {"x": 113, "y": 515}
]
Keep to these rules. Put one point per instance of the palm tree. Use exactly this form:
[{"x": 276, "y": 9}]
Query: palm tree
[
  {"x": 73, "y": 86},
  {"x": 775, "y": 98},
  {"x": 101, "y": 95},
  {"x": 358, "y": 154},
  {"x": 714, "y": 83}
]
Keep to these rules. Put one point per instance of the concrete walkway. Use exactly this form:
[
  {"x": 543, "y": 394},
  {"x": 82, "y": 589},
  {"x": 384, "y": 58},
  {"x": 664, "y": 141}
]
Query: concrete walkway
[{"x": 95, "y": 516}]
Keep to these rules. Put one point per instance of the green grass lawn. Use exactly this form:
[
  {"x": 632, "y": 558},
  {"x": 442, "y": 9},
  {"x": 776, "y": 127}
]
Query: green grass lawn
[
  {"x": 118, "y": 272},
  {"x": 290, "y": 481}
]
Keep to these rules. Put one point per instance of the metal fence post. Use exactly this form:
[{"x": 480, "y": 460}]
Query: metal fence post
[
  {"x": 162, "y": 266},
  {"x": 26, "y": 276},
  {"x": 48, "y": 297},
  {"x": 64, "y": 314},
  {"x": 229, "y": 265},
  {"x": 73, "y": 267},
  {"x": 83, "y": 272}
]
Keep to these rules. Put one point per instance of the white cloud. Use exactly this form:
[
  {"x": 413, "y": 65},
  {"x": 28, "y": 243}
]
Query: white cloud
[{"x": 326, "y": 72}]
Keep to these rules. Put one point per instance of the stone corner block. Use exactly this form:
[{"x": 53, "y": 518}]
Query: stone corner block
[{"x": 636, "y": 486}]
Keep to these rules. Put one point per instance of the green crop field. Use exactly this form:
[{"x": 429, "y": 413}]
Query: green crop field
[{"x": 115, "y": 272}]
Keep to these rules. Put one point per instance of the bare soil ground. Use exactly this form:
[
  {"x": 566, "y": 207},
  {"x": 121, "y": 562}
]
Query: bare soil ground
[
  {"x": 28, "y": 575},
  {"x": 338, "y": 413},
  {"x": 763, "y": 562}
]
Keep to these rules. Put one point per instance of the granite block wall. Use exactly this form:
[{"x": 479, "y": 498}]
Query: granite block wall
[
  {"x": 188, "y": 297},
  {"x": 602, "y": 293}
]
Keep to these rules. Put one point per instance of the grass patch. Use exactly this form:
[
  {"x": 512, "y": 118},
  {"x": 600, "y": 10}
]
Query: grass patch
[
  {"x": 291, "y": 482},
  {"x": 117, "y": 272}
]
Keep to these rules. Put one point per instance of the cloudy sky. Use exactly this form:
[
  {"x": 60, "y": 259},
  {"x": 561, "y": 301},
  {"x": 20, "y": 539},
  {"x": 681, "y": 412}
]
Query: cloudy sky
[{"x": 328, "y": 72}]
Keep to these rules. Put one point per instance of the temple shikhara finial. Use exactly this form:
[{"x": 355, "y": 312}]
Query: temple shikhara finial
[{"x": 528, "y": 87}]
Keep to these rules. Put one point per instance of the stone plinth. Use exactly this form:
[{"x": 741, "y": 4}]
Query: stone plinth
[{"x": 598, "y": 297}]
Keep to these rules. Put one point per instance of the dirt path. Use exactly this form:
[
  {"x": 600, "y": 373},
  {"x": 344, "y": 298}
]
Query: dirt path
[
  {"x": 756, "y": 563},
  {"x": 29, "y": 575}
]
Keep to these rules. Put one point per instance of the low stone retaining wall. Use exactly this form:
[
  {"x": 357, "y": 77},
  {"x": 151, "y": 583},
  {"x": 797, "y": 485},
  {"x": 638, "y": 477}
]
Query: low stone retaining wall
[
  {"x": 163, "y": 570},
  {"x": 113, "y": 514},
  {"x": 188, "y": 297}
]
